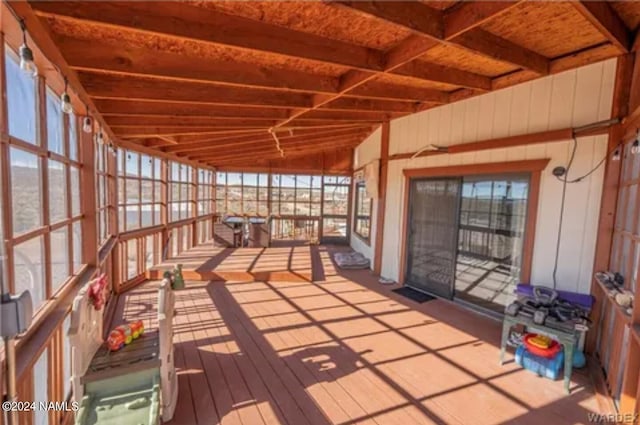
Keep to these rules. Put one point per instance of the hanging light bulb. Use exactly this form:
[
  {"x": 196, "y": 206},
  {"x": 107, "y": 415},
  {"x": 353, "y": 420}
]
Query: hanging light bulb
[
  {"x": 635, "y": 147},
  {"x": 100, "y": 138},
  {"x": 65, "y": 99},
  {"x": 87, "y": 124},
  {"x": 616, "y": 155},
  {"x": 26, "y": 54}
]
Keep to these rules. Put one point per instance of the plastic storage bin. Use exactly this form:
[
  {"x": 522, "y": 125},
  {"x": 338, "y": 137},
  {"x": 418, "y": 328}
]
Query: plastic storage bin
[{"x": 549, "y": 368}]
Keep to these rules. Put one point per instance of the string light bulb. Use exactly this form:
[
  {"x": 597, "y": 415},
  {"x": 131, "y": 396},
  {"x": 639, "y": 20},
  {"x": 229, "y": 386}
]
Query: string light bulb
[
  {"x": 616, "y": 155},
  {"x": 87, "y": 124},
  {"x": 65, "y": 99},
  {"x": 100, "y": 138},
  {"x": 635, "y": 147},
  {"x": 26, "y": 54}
]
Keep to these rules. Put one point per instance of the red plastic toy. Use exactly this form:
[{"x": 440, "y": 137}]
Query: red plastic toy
[
  {"x": 124, "y": 335},
  {"x": 97, "y": 291},
  {"x": 548, "y": 353}
]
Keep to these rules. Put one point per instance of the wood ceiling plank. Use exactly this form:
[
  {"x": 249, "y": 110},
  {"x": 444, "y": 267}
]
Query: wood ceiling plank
[
  {"x": 352, "y": 103},
  {"x": 429, "y": 22},
  {"x": 115, "y": 107},
  {"x": 131, "y": 132},
  {"x": 126, "y": 87},
  {"x": 399, "y": 92},
  {"x": 606, "y": 20},
  {"x": 293, "y": 135},
  {"x": 434, "y": 72},
  {"x": 409, "y": 14},
  {"x": 182, "y": 121},
  {"x": 265, "y": 145},
  {"x": 498, "y": 48},
  {"x": 189, "y": 22},
  {"x": 469, "y": 15},
  {"x": 100, "y": 56}
]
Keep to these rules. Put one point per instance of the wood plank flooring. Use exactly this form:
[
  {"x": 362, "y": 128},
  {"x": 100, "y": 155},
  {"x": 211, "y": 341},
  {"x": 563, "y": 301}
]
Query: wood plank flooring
[{"x": 346, "y": 350}]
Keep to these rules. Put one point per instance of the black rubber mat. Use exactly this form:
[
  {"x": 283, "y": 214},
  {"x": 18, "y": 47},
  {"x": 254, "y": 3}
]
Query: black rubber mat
[{"x": 413, "y": 295}]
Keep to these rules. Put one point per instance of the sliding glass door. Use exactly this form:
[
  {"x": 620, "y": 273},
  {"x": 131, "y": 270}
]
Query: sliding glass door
[
  {"x": 465, "y": 237},
  {"x": 432, "y": 235}
]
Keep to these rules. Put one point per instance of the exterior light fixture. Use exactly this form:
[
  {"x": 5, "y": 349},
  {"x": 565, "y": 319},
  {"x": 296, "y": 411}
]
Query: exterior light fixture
[
  {"x": 100, "y": 138},
  {"x": 65, "y": 99},
  {"x": 616, "y": 155},
  {"x": 87, "y": 124},
  {"x": 26, "y": 54},
  {"x": 635, "y": 147}
]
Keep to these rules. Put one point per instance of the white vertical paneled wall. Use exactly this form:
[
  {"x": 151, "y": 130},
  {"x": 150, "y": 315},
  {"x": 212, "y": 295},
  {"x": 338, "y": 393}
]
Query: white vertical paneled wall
[
  {"x": 367, "y": 151},
  {"x": 569, "y": 99}
]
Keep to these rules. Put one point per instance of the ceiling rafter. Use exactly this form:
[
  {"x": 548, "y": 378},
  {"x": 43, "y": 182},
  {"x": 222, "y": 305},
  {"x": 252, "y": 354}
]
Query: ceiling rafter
[
  {"x": 606, "y": 20},
  {"x": 283, "y": 135}
]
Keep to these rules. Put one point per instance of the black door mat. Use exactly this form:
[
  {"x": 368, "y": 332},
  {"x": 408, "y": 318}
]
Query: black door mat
[{"x": 413, "y": 295}]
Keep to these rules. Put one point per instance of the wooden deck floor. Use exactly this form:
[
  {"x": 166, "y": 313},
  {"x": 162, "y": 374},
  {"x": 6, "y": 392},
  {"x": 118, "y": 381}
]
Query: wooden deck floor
[
  {"x": 206, "y": 262},
  {"x": 346, "y": 350}
]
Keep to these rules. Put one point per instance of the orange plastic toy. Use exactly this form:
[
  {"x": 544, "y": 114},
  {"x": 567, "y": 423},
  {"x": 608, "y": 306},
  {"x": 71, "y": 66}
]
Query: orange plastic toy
[{"x": 124, "y": 335}]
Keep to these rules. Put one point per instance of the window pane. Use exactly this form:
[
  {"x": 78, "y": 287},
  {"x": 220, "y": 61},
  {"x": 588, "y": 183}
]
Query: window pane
[
  {"x": 131, "y": 164},
  {"x": 156, "y": 214},
  {"x": 66, "y": 359},
  {"x": 146, "y": 215},
  {"x": 157, "y": 168},
  {"x": 145, "y": 166},
  {"x": 59, "y": 257},
  {"x": 77, "y": 246},
  {"x": 29, "y": 270},
  {"x": 75, "y": 191},
  {"x": 57, "y": 192},
  {"x": 147, "y": 191},
  {"x": 334, "y": 227},
  {"x": 55, "y": 138},
  {"x": 132, "y": 259},
  {"x": 25, "y": 191},
  {"x": 133, "y": 217},
  {"x": 21, "y": 101},
  {"x": 149, "y": 252}
]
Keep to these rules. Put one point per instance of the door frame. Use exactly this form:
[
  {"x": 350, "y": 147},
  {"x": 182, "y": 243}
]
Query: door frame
[
  {"x": 408, "y": 213},
  {"x": 534, "y": 167}
]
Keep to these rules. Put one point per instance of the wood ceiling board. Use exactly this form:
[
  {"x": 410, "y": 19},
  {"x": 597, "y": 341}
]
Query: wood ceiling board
[
  {"x": 185, "y": 149},
  {"x": 470, "y": 14},
  {"x": 414, "y": 82},
  {"x": 359, "y": 104},
  {"x": 629, "y": 11},
  {"x": 312, "y": 17},
  {"x": 346, "y": 115},
  {"x": 174, "y": 121},
  {"x": 575, "y": 60},
  {"x": 129, "y": 132},
  {"x": 129, "y": 37},
  {"x": 379, "y": 90},
  {"x": 266, "y": 145},
  {"x": 436, "y": 72},
  {"x": 606, "y": 20},
  {"x": 552, "y": 29},
  {"x": 136, "y": 61},
  {"x": 116, "y": 107},
  {"x": 196, "y": 23},
  {"x": 126, "y": 87},
  {"x": 458, "y": 57}
]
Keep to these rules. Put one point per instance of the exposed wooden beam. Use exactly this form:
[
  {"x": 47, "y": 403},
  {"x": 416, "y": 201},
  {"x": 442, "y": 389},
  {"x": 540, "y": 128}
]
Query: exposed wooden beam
[
  {"x": 468, "y": 15},
  {"x": 183, "y": 121},
  {"x": 127, "y": 132},
  {"x": 606, "y": 20},
  {"x": 415, "y": 16},
  {"x": 434, "y": 72},
  {"x": 95, "y": 55},
  {"x": 382, "y": 197},
  {"x": 115, "y": 107},
  {"x": 249, "y": 145},
  {"x": 272, "y": 152},
  {"x": 183, "y": 21},
  {"x": 378, "y": 90},
  {"x": 284, "y": 135},
  {"x": 357, "y": 104},
  {"x": 498, "y": 48},
  {"x": 426, "y": 21},
  {"x": 269, "y": 146},
  {"x": 126, "y": 87}
]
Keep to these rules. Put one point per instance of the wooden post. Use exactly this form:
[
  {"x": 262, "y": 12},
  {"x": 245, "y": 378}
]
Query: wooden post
[
  {"x": 382, "y": 197},
  {"x": 609, "y": 199},
  {"x": 86, "y": 151}
]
